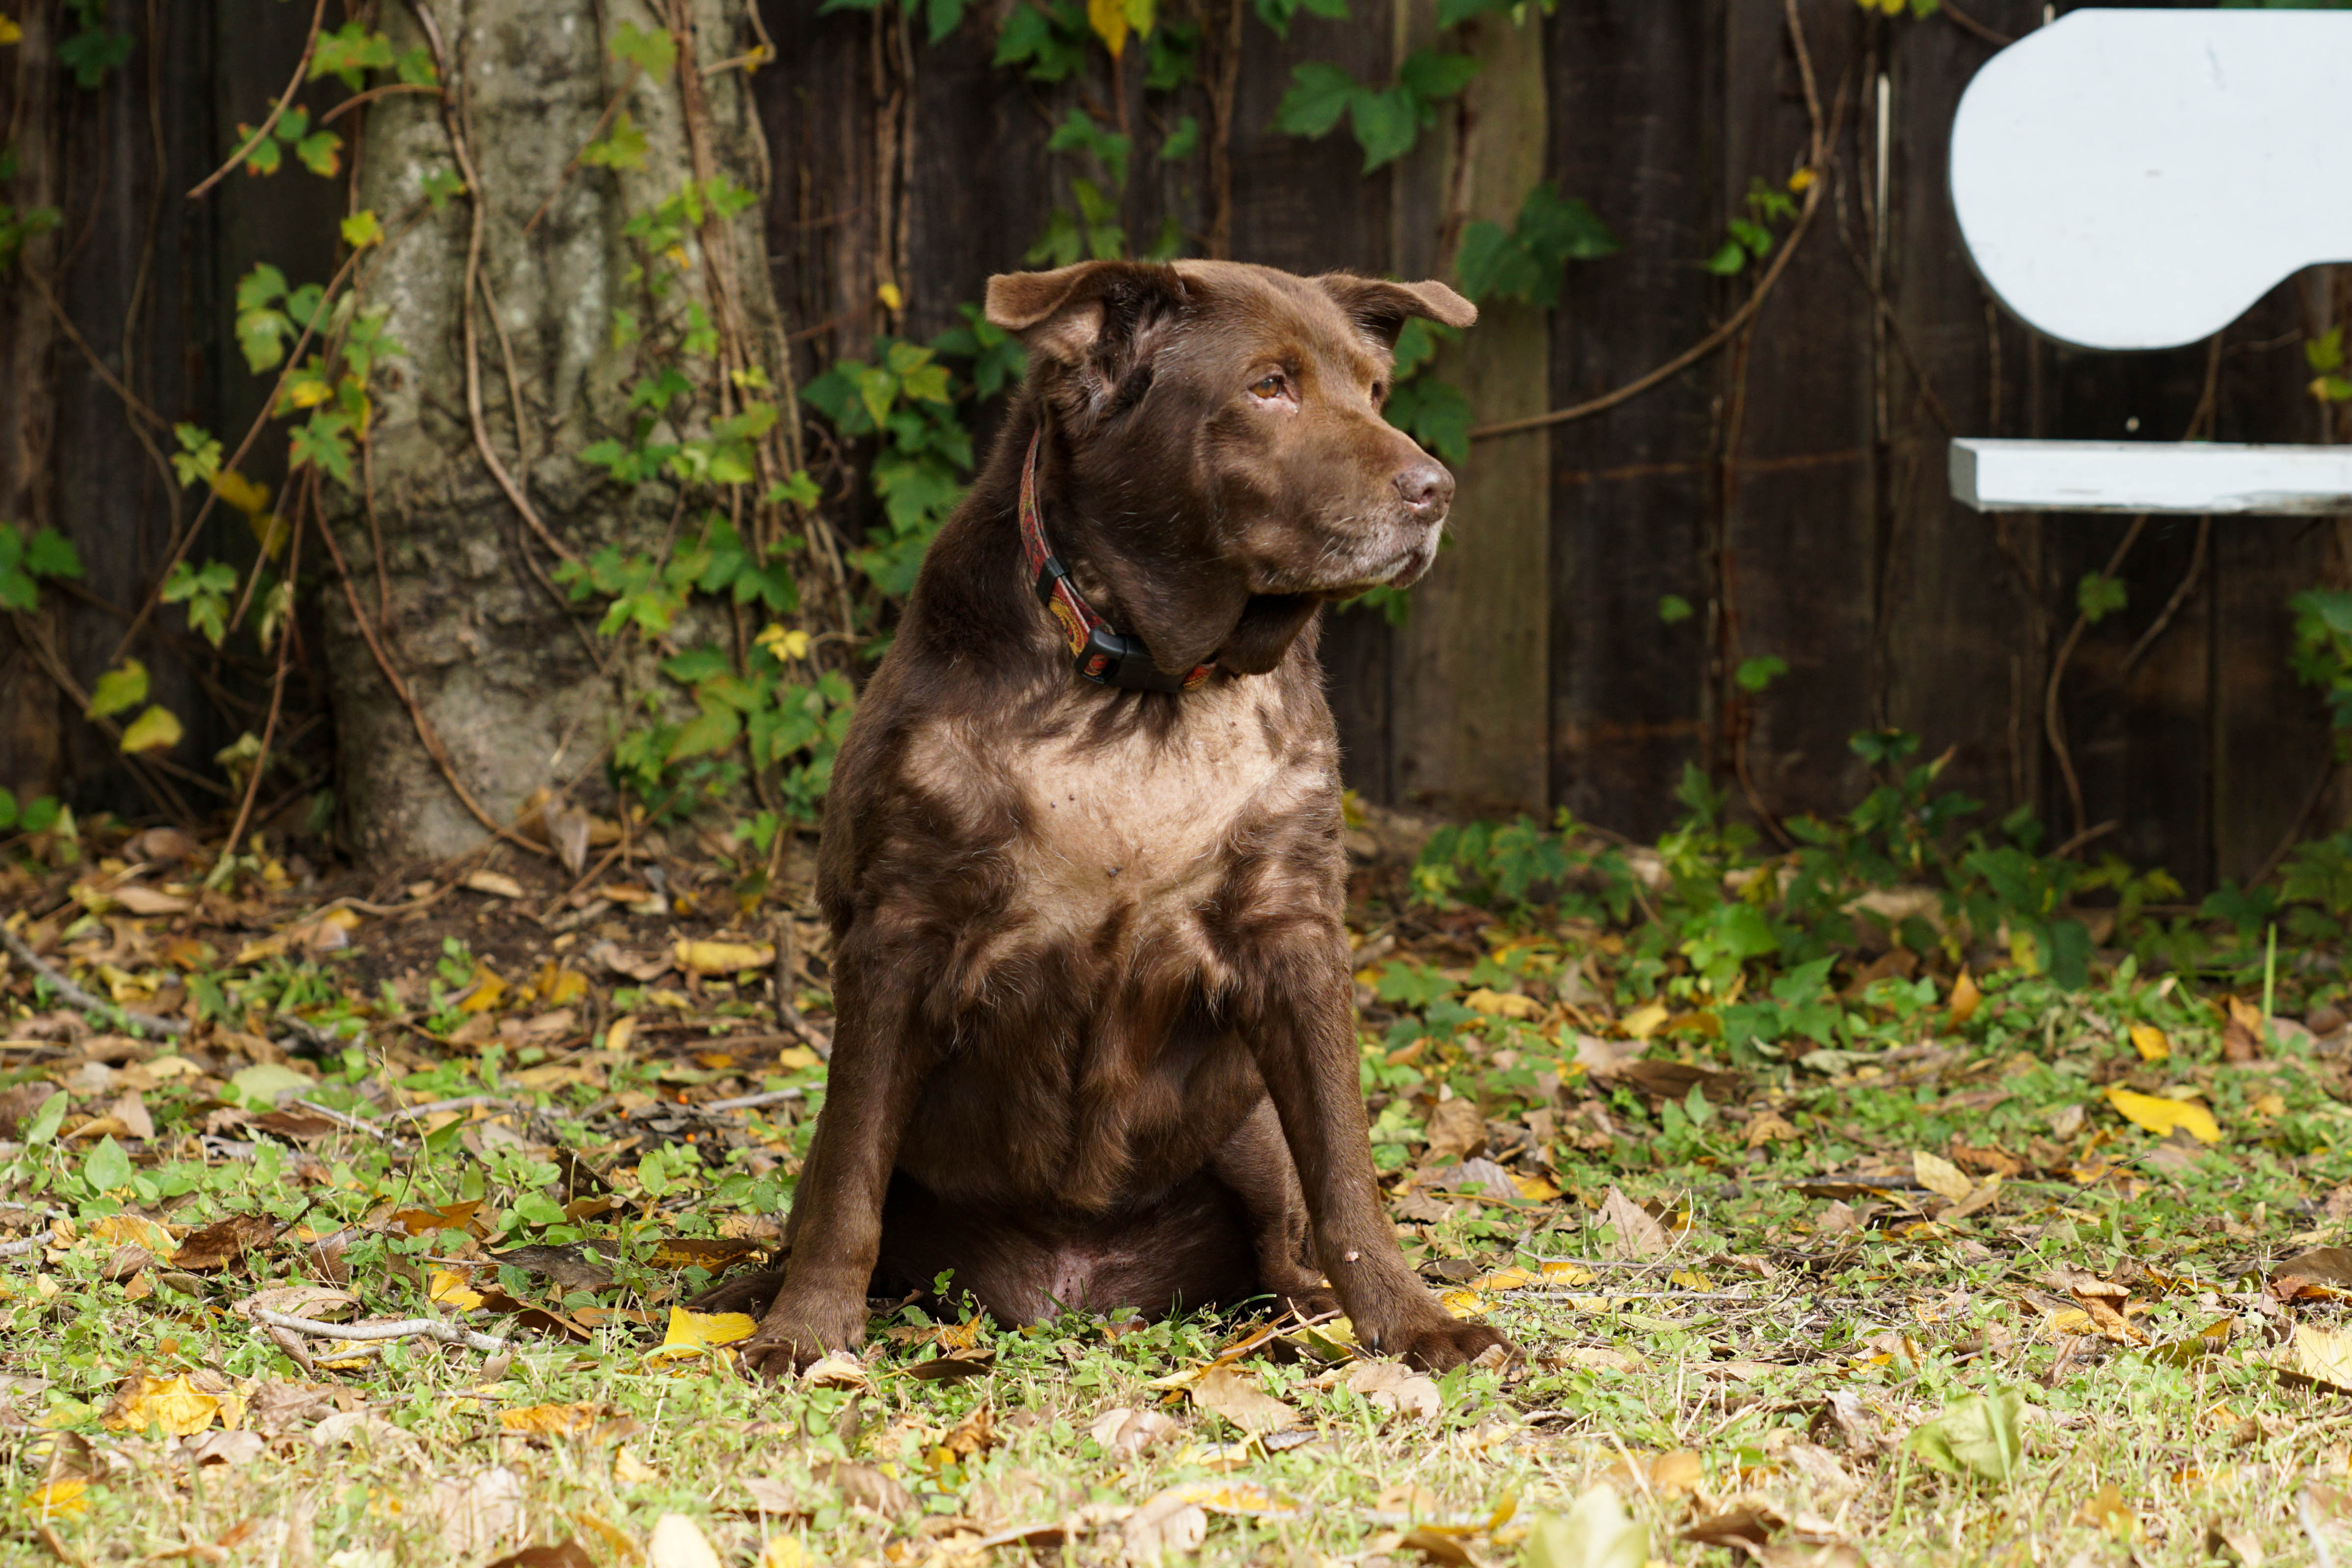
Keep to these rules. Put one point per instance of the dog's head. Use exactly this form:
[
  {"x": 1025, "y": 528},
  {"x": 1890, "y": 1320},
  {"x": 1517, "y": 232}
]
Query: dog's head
[{"x": 1227, "y": 466}]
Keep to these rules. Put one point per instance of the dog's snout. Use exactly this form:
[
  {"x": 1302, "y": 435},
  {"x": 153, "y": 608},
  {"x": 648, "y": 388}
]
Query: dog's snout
[{"x": 1427, "y": 489}]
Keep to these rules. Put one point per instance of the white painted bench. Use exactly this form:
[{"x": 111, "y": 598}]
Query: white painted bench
[{"x": 2129, "y": 179}]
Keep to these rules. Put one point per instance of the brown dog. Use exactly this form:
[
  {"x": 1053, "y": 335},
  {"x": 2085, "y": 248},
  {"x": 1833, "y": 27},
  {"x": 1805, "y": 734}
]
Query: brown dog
[{"x": 1096, "y": 1043}]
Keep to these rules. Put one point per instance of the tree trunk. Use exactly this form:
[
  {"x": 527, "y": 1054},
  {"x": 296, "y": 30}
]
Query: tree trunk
[{"x": 501, "y": 689}]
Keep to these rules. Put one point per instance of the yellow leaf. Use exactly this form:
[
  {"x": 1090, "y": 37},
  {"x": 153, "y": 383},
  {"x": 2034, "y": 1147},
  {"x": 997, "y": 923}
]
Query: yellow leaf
[
  {"x": 59, "y": 1498},
  {"x": 691, "y": 1333},
  {"x": 785, "y": 644},
  {"x": 1966, "y": 999},
  {"x": 1802, "y": 180},
  {"x": 2161, "y": 1115},
  {"x": 488, "y": 988},
  {"x": 10, "y": 32},
  {"x": 124, "y": 686},
  {"x": 498, "y": 884},
  {"x": 1229, "y": 1497},
  {"x": 1643, "y": 1022},
  {"x": 1109, "y": 19},
  {"x": 617, "y": 1037},
  {"x": 796, "y": 1058},
  {"x": 449, "y": 1288},
  {"x": 723, "y": 957},
  {"x": 559, "y": 987},
  {"x": 1535, "y": 1189},
  {"x": 176, "y": 1405},
  {"x": 157, "y": 730},
  {"x": 554, "y": 1420},
  {"x": 889, "y": 296},
  {"x": 134, "y": 1230},
  {"x": 1938, "y": 1175},
  {"x": 2321, "y": 1356},
  {"x": 240, "y": 492},
  {"x": 783, "y": 1551},
  {"x": 308, "y": 394},
  {"x": 1690, "y": 1280},
  {"x": 1503, "y": 1003},
  {"x": 2270, "y": 1105},
  {"x": 2149, "y": 1042}
]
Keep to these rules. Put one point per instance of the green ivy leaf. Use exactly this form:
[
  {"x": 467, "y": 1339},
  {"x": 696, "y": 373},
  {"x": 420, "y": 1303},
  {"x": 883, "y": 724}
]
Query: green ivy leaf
[
  {"x": 157, "y": 730},
  {"x": 650, "y": 50},
  {"x": 125, "y": 685},
  {"x": 623, "y": 147},
  {"x": 1430, "y": 75},
  {"x": 1754, "y": 674},
  {"x": 2099, "y": 596},
  {"x": 1729, "y": 260},
  {"x": 712, "y": 729},
  {"x": 348, "y": 52},
  {"x": 47, "y": 1121},
  {"x": 1319, "y": 93},
  {"x": 1674, "y": 609},
  {"x": 49, "y": 554},
  {"x": 361, "y": 229},
  {"x": 1387, "y": 123}
]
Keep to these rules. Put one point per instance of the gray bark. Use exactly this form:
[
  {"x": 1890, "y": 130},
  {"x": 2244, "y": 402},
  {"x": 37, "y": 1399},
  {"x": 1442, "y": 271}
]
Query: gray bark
[{"x": 513, "y": 691}]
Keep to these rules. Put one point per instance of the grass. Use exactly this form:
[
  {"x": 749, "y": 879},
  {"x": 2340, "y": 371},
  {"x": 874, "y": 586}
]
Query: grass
[{"x": 1790, "y": 1313}]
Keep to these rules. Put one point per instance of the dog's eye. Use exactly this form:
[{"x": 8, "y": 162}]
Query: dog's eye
[
  {"x": 1380, "y": 393},
  {"x": 1270, "y": 387}
]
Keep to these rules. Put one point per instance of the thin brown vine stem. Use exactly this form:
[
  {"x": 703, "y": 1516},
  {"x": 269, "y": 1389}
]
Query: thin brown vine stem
[
  {"x": 2294, "y": 829},
  {"x": 309, "y": 45},
  {"x": 159, "y": 793},
  {"x": 2053, "y": 725},
  {"x": 253, "y": 433},
  {"x": 604, "y": 122},
  {"x": 1683, "y": 361},
  {"x": 305, "y": 508},
  {"x": 131, "y": 401},
  {"x": 1975, "y": 28},
  {"x": 453, "y": 111},
  {"x": 2172, "y": 605},
  {"x": 388, "y": 89},
  {"x": 425, "y": 734}
]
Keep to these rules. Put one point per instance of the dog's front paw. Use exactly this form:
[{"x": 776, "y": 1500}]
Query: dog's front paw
[
  {"x": 800, "y": 1328},
  {"x": 1447, "y": 1342}
]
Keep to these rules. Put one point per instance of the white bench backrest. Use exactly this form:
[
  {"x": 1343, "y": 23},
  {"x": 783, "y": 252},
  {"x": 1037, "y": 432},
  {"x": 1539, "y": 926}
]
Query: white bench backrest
[{"x": 2131, "y": 179}]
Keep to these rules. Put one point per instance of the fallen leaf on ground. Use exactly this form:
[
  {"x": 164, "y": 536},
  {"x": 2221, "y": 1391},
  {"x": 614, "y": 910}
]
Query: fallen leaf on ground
[
  {"x": 2106, "y": 1510},
  {"x": 2315, "y": 1356},
  {"x": 565, "y": 1554},
  {"x": 1221, "y": 1390},
  {"x": 553, "y": 1420},
  {"x": 1977, "y": 1435},
  {"x": 1121, "y": 1430},
  {"x": 2323, "y": 1271},
  {"x": 475, "y": 1510},
  {"x": 2160, "y": 1116},
  {"x": 1392, "y": 1386},
  {"x": 722, "y": 957},
  {"x": 678, "y": 1543},
  {"x": 1503, "y": 1005},
  {"x": 865, "y": 1487},
  {"x": 2149, "y": 1042},
  {"x": 1939, "y": 1175},
  {"x": 692, "y": 1334},
  {"x": 1638, "y": 1234},
  {"x": 175, "y": 1406},
  {"x": 1596, "y": 1533},
  {"x": 1966, "y": 999},
  {"x": 1456, "y": 1130},
  {"x": 2242, "y": 1032},
  {"x": 1769, "y": 1127},
  {"x": 498, "y": 884}
]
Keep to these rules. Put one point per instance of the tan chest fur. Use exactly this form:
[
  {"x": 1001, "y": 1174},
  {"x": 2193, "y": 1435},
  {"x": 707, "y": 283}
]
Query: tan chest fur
[{"x": 1140, "y": 823}]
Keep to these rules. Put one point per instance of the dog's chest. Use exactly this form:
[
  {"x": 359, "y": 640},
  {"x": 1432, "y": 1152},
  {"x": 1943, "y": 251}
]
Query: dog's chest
[
  {"x": 1134, "y": 830},
  {"x": 1147, "y": 824}
]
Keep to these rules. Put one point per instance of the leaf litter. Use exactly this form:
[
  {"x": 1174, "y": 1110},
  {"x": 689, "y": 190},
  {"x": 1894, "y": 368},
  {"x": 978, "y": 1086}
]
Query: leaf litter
[{"x": 1893, "y": 1257}]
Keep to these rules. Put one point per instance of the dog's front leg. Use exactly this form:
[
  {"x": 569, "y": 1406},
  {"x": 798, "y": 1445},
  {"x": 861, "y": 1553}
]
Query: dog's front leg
[
  {"x": 835, "y": 1228},
  {"x": 1304, "y": 1036}
]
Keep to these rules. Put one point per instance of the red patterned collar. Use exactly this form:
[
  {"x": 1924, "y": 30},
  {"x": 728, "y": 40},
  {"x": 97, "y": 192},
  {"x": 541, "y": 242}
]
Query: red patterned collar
[{"x": 1100, "y": 655}]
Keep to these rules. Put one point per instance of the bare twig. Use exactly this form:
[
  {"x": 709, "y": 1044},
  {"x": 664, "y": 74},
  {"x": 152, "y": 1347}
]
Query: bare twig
[
  {"x": 309, "y": 45},
  {"x": 400, "y": 1329},
  {"x": 753, "y": 1101},
  {"x": 74, "y": 993},
  {"x": 372, "y": 94},
  {"x": 1970, "y": 25}
]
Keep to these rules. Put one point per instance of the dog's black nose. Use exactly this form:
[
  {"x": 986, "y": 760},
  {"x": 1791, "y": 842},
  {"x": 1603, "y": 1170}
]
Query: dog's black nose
[{"x": 1427, "y": 489}]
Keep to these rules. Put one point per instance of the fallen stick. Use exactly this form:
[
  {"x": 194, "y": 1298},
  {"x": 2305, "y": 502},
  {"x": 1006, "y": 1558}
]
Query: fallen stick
[
  {"x": 749, "y": 1101},
  {"x": 404, "y": 1329},
  {"x": 81, "y": 998}
]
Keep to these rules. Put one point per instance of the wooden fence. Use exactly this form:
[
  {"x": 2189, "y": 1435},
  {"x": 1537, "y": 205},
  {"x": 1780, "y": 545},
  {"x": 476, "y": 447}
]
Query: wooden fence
[{"x": 1788, "y": 484}]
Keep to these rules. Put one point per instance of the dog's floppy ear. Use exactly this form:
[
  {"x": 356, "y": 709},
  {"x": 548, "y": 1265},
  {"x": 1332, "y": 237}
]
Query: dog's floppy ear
[
  {"x": 1068, "y": 313},
  {"x": 1382, "y": 308},
  {"x": 1090, "y": 330}
]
